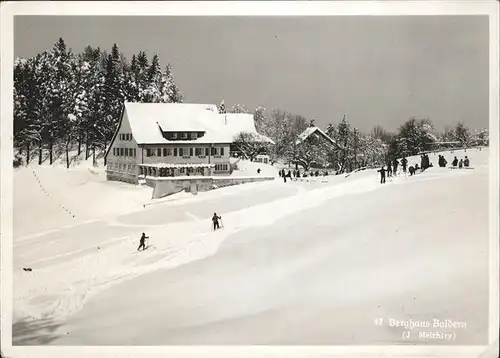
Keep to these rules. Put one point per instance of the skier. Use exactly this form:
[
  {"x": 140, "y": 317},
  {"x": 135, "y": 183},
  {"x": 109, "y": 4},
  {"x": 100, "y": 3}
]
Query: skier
[
  {"x": 404, "y": 162},
  {"x": 143, "y": 242},
  {"x": 444, "y": 161},
  {"x": 411, "y": 170},
  {"x": 395, "y": 164},
  {"x": 422, "y": 162},
  {"x": 461, "y": 163},
  {"x": 389, "y": 169},
  {"x": 382, "y": 175},
  {"x": 215, "y": 220},
  {"x": 466, "y": 162},
  {"x": 455, "y": 162},
  {"x": 258, "y": 171}
]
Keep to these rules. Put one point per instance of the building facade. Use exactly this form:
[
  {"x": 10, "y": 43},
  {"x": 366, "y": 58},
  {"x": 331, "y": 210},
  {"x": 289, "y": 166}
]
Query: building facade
[{"x": 169, "y": 140}]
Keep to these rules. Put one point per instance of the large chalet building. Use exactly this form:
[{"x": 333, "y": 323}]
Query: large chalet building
[{"x": 174, "y": 140}]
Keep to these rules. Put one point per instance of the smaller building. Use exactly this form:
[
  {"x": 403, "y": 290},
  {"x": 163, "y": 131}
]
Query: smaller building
[{"x": 262, "y": 158}]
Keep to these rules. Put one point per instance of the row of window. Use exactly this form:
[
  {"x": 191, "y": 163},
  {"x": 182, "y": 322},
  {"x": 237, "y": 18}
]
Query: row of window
[
  {"x": 221, "y": 167},
  {"x": 183, "y": 152},
  {"x": 122, "y": 168},
  {"x": 182, "y": 135},
  {"x": 126, "y": 136},
  {"x": 125, "y": 152}
]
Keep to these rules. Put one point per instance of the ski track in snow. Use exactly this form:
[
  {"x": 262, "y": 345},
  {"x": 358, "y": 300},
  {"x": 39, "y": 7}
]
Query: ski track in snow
[{"x": 61, "y": 289}]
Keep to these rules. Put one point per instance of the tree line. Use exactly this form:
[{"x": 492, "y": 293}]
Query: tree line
[{"x": 64, "y": 99}]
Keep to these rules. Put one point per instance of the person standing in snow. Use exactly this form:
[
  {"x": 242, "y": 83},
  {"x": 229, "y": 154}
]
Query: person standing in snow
[
  {"x": 404, "y": 162},
  {"x": 455, "y": 162},
  {"x": 143, "y": 242},
  {"x": 382, "y": 175},
  {"x": 444, "y": 161},
  {"x": 460, "y": 163},
  {"x": 466, "y": 162},
  {"x": 215, "y": 221},
  {"x": 411, "y": 169},
  {"x": 389, "y": 169},
  {"x": 395, "y": 164}
]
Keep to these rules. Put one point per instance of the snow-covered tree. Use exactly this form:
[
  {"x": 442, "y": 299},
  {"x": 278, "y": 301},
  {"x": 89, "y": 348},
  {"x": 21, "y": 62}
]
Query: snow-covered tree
[
  {"x": 259, "y": 116},
  {"x": 238, "y": 108},
  {"x": 250, "y": 145},
  {"x": 462, "y": 134}
]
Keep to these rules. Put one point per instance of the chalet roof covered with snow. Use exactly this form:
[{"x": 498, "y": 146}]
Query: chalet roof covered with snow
[
  {"x": 314, "y": 130},
  {"x": 149, "y": 120}
]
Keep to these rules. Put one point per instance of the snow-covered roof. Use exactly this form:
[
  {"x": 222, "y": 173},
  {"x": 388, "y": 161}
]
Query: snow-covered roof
[
  {"x": 243, "y": 123},
  {"x": 309, "y": 131},
  {"x": 148, "y": 120}
]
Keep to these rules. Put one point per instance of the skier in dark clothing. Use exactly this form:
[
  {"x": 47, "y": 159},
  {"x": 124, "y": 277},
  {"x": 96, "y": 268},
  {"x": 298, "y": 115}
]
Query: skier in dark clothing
[
  {"x": 422, "y": 161},
  {"x": 460, "y": 163},
  {"x": 389, "y": 169},
  {"x": 443, "y": 161},
  {"x": 404, "y": 162},
  {"x": 455, "y": 162},
  {"x": 395, "y": 164},
  {"x": 215, "y": 221},
  {"x": 143, "y": 242},
  {"x": 411, "y": 170},
  {"x": 289, "y": 175},
  {"x": 466, "y": 162},
  {"x": 382, "y": 175}
]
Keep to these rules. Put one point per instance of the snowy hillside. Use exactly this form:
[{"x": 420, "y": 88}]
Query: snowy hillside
[{"x": 325, "y": 257}]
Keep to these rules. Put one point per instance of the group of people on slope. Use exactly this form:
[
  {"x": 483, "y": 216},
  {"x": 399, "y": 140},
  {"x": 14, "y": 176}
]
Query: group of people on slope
[
  {"x": 462, "y": 163},
  {"x": 392, "y": 167},
  {"x": 296, "y": 174}
]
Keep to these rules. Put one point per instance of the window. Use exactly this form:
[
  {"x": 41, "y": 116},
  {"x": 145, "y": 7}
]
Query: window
[
  {"x": 181, "y": 152},
  {"x": 197, "y": 151},
  {"x": 159, "y": 152},
  {"x": 130, "y": 136},
  {"x": 167, "y": 152},
  {"x": 206, "y": 151},
  {"x": 175, "y": 152},
  {"x": 114, "y": 151},
  {"x": 134, "y": 152},
  {"x": 212, "y": 151},
  {"x": 174, "y": 135},
  {"x": 193, "y": 135},
  {"x": 221, "y": 167},
  {"x": 126, "y": 152},
  {"x": 184, "y": 135},
  {"x": 181, "y": 170},
  {"x": 149, "y": 153},
  {"x": 121, "y": 152},
  {"x": 222, "y": 151},
  {"x": 190, "y": 152},
  {"x": 120, "y": 136}
]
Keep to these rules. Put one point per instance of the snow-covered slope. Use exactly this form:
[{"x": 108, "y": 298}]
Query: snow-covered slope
[{"x": 290, "y": 253}]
